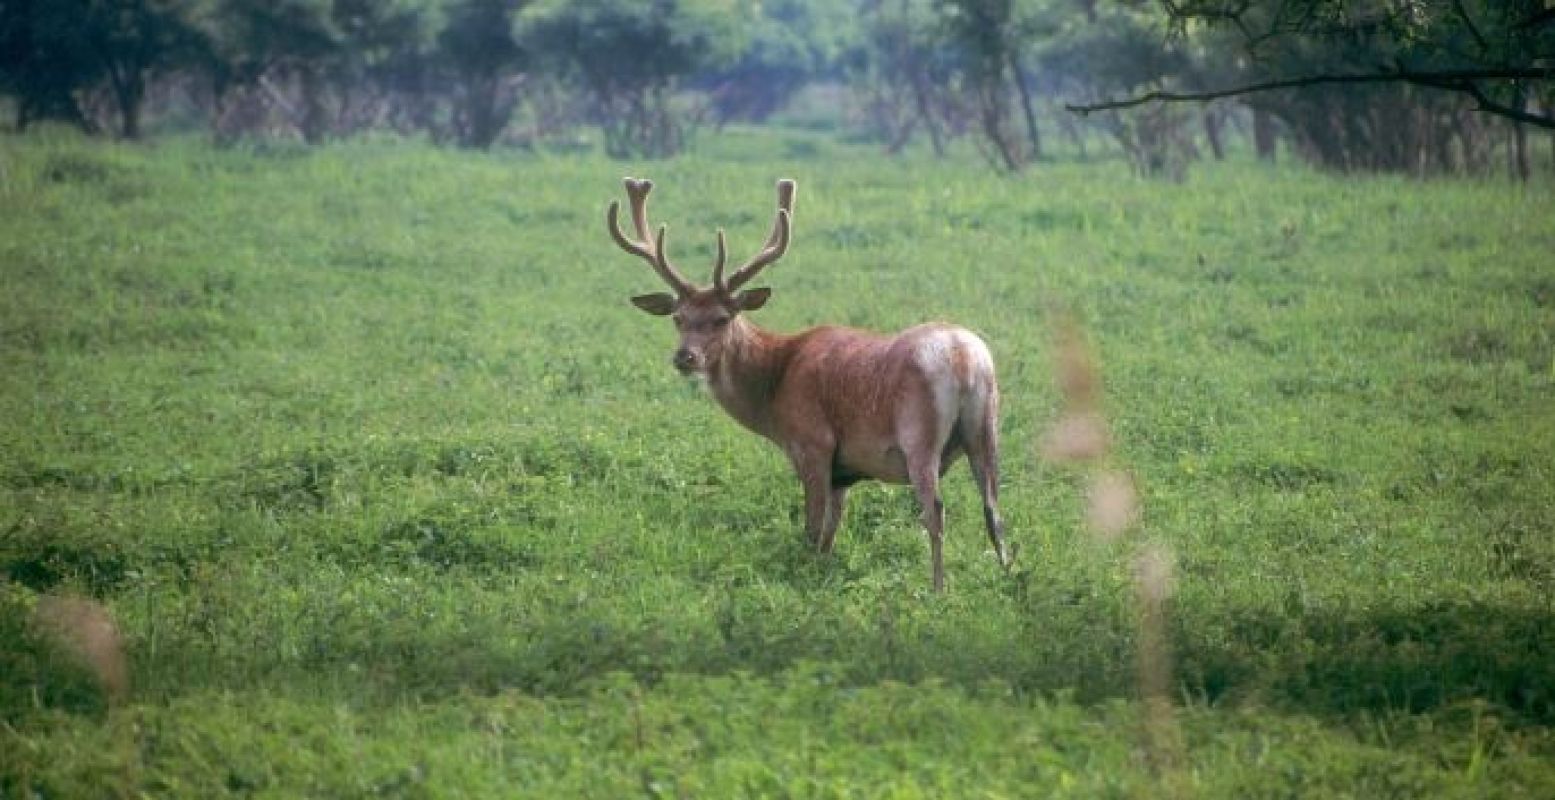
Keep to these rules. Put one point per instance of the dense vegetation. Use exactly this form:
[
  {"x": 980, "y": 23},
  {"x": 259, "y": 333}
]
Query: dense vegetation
[
  {"x": 1428, "y": 88},
  {"x": 349, "y": 471}
]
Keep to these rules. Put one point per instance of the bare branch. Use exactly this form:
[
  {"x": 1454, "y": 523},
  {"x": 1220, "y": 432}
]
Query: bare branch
[
  {"x": 1449, "y": 80},
  {"x": 1489, "y": 106}
]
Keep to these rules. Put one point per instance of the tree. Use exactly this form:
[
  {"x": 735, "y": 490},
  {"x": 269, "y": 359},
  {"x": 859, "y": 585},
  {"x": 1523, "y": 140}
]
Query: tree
[
  {"x": 478, "y": 46},
  {"x": 42, "y": 62},
  {"x": 323, "y": 63},
  {"x": 630, "y": 56},
  {"x": 1344, "y": 75},
  {"x": 56, "y": 49},
  {"x": 988, "y": 34},
  {"x": 134, "y": 38},
  {"x": 792, "y": 43},
  {"x": 1103, "y": 49},
  {"x": 903, "y": 71},
  {"x": 260, "y": 41}
]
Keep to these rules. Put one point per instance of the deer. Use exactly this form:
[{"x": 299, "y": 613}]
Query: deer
[{"x": 844, "y": 405}]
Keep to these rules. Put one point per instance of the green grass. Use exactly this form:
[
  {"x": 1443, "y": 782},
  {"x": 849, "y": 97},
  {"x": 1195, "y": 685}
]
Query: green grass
[{"x": 393, "y": 494}]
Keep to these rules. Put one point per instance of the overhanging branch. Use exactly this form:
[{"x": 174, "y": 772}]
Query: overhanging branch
[
  {"x": 1490, "y": 106},
  {"x": 1448, "y": 80}
]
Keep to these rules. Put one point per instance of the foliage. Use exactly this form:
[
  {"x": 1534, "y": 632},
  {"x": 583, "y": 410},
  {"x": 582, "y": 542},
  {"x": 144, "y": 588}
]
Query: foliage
[
  {"x": 791, "y": 43},
  {"x": 986, "y": 35},
  {"x": 329, "y": 52},
  {"x": 904, "y": 75},
  {"x": 390, "y": 491},
  {"x": 1116, "y": 49},
  {"x": 650, "y": 73},
  {"x": 1446, "y": 68},
  {"x": 53, "y": 50},
  {"x": 478, "y": 44},
  {"x": 631, "y": 55}
]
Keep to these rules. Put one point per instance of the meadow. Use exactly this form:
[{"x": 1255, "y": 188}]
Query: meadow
[{"x": 389, "y": 492}]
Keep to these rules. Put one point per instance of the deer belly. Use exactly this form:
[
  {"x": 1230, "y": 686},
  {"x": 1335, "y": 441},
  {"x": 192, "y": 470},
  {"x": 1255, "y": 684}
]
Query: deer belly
[{"x": 880, "y": 459}]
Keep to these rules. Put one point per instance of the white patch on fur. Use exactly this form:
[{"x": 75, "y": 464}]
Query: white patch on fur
[
  {"x": 933, "y": 355},
  {"x": 979, "y": 379},
  {"x": 722, "y": 383}
]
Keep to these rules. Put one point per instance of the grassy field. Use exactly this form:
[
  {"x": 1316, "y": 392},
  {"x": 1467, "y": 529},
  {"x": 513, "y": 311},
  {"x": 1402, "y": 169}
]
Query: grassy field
[{"x": 390, "y": 493}]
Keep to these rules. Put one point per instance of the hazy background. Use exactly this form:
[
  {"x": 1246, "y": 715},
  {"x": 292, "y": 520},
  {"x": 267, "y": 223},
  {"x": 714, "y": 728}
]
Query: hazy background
[{"x": 1390, "y": 85}]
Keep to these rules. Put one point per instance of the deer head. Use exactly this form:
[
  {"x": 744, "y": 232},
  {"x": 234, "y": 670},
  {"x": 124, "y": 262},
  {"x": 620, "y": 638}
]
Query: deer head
[{"x": 702, "y": 314}]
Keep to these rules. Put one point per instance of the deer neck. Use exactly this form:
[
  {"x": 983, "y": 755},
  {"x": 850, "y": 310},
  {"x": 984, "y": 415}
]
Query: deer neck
[{"x": 748, "y": 373}]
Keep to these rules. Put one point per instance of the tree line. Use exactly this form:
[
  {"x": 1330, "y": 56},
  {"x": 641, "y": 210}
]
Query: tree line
[{"x": 1391, "y": 85}]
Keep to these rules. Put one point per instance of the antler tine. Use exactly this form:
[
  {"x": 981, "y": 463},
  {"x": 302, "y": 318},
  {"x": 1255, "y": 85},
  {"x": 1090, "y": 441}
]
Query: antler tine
[
  {"x": 718, "y": 264},
  {"x": 776, "y": 247},
  {"x": 611, "y": 220},
  {"x": 637, "y": 194},
  {"x": 661, "y": 264},
  {"x": 785, "y": 190},
  {"x": 777, "y": 240}
]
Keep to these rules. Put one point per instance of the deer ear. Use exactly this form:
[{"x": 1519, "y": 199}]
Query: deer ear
[
  {"x": 658, "y": 304},
  {"x": 752, "y": 299}
]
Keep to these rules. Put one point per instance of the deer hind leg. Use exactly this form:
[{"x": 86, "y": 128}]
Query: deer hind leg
[
  {"x": 982, "y": 450},
  {"x": 979, "y": 426},
  {"x": 924, "y": 474},
  {"x": 923, "y": 469},
  {"x": 925, "y": 428}
]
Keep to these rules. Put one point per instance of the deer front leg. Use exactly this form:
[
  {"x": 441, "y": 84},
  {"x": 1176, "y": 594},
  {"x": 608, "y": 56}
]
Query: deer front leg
[
  {"x": 813, "y": 466},
  {"x": 839, "y": 495}
]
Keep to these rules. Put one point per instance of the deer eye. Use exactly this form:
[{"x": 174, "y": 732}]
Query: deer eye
[{"x": 721, "y": 322}]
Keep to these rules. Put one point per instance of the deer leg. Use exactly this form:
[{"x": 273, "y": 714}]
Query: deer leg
[
  {"x": 922, "y": 432},
  {"x": 839, "y": 494},
  {"x": 816, "y": 499},
  {"x": 982, "y": 451},
  {"x": 814, "y": 475},
  {"x": 923, "y": 471}
]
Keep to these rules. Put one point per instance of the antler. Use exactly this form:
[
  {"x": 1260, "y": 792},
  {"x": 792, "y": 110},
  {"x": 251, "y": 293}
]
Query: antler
[
  {"x": 776, "y": 246},
  {"x": 637, "y": 194}
]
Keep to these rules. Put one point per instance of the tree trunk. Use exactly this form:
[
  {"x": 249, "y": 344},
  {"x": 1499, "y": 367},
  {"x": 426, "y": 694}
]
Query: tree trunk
[
  {"x": 901, "y": 136},
  {"x": 909, "y": 61},
  {"x": 1024, "y": 88},
  {"x": 481, "y": 120},
  {"x": 1212, "y": 124},
  {"x": 920, "y": 93},
  {"x": 129, "y": 93},
  {"x": 993, "y": 118},
  {"x": 1263, "y": 135},
  {"x": 315, "y": 117},
  {"x": 1520, "y": 167}
]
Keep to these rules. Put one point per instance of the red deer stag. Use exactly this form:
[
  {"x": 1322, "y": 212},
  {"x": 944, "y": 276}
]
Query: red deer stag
[{"x": 843, "y": 404}]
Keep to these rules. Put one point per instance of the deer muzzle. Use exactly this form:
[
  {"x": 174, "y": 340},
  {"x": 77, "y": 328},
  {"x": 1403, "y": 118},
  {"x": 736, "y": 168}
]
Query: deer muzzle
[{"x": 686, "y": 360}]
